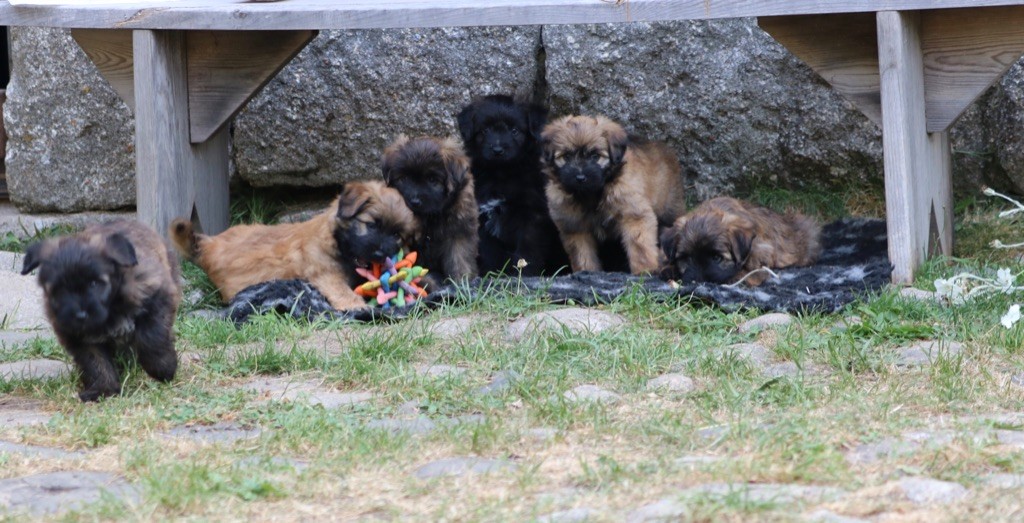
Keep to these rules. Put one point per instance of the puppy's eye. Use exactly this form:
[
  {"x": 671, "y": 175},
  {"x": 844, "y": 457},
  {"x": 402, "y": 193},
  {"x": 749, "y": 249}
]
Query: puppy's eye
[
  {"x": 95, "y": 284},
  {"x": 515, "y": 132},
  {"x": 717, "y": 258}
]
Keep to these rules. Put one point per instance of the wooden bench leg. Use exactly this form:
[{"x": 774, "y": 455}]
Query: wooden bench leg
[
  {"x": 918, "y": 177},
  {"x": 170, "y": 167}
]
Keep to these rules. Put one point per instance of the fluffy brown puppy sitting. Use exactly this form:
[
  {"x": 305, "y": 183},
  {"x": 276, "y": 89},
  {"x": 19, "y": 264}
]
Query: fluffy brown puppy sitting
[
  {"x": 724, "y": 239},
  {"x": 608, "y": 192},
  {"x": 111, "y": 291},
  {"x": 433, "y": 176},
  {"x": 368, "y": 222}
]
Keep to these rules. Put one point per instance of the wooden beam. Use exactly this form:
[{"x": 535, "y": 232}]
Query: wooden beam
[
  {"x": 917, "y": 169},
  {"x": 170, "y": 171},
  {"x": 227, "y": 68},
  {"x": 236, "y": 15},
  {"x": 964, "y": 54},
  {"x": 841, "y": 48},
  {"x": 111, "y": 51}
]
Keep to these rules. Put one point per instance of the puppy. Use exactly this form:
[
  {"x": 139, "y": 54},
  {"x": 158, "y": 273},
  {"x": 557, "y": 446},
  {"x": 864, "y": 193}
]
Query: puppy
[
  {"x": 367, "y": 223},
  {"x": 724, "y": 239},
  {"x": 111, "y": 291},
  {"x": 432, "y": 174},
  {"x": 606, "y": 189},
  {"x": 502, "y": 139}
]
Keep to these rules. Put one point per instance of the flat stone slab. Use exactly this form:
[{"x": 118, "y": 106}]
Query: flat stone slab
[
  {"x": 460, "y": 466},
  {"x": 12, "y": 338},
  {"x": 20, "y": 412},
  {"x": 35, "y": 369},
  {"x": 866, "y": 453},
  {"x": 11, "y": 261},
  {"x": 33, "y": 451},
  {"x": 781, "y": 493},
  {"x": 569, "y": 516},
  {"x": 576, "y": 320},
  {"x": 56, "y": 492},
  {"x": 22, "y": 304},
  {"x": 663, "y": 510},
  {"x": 827, "y": 516},
  {"x": 439, "y": 371},
  {"x": 912, "y": 293},
  {"x": 216, "y": 433},
  {"x": 591, "y": 393},
  {"x": 311, "y": 392},
  {"x": 500, "y": 382},
  {"x": 674, "y": 382},
  {"x": 925, "y": 352},
  {"x": 692, "y": 462},
  {"x": 772, "y": 319},
  {"x": 542, "y": 434},
  {"x": 420, "y": 425},
  {"x": 452, "y": 329},
  {"x": 927, "y": 491}
]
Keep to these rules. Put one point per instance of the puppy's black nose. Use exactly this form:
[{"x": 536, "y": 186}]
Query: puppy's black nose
[
  {"x": 415, "y": 201},
  {"x": 581, "y": 178},
  {"x": 498, "y": 150},
  {"x": 378, "y": 254},
  {"x": 81, "y": 315}
]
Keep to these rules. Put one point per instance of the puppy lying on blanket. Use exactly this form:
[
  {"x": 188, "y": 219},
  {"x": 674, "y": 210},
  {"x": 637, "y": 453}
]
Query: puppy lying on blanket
[{"x": 367, "y": 223}]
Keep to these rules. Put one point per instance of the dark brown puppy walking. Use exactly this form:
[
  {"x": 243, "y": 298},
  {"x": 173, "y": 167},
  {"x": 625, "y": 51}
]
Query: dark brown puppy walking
[
  {"x": 607, "y": 187},
  {"x": 111, "y": 291},
  {"x": 724, "y": 239},
  {"x": 433, "y": 176},
  {"x": 368, "y": 222}
]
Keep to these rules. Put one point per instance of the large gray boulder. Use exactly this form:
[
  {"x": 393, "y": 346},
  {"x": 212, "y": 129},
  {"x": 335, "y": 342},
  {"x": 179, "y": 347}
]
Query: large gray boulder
[
  {"x": 329, "y": 114},
  {"x": 71, "y": 140}
]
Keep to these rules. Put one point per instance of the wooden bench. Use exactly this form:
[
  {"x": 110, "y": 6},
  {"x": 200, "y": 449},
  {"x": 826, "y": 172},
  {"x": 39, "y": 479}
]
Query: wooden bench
[{"x": 187, "y": 66}]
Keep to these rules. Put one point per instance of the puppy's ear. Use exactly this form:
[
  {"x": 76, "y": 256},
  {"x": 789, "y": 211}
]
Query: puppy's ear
[
  {"x": 353, "y": 199},
  {"x": 536, "y": 117},
  {"x": 389, "y": 158},
  {"x": 120, "y": 251},
  {"x": 618, "y": 140},
  {"x": 456, "y": 164},
  {"x": 35, "y": 255},
  {"x": 467, "y": 122},
  {"x": 742, "y": 244},
  {"x": 669, "y": 241}
]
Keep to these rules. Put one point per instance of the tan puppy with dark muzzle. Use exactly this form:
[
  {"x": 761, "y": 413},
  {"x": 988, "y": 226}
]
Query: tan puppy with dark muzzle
[
  {"x": 724, "y": 239},
  {"x": 367, "y": 223},
  {"x": 607, "y": 187}
]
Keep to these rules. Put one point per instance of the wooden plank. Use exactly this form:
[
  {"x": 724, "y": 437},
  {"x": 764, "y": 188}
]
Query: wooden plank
[
  {"x": 841, "y": 48},
  {"x": 964, "y": 55},
  {"x": 227, "y": 68},
  {"x": 168, "y": 167},
  {"x": 916, "y": 174},
  {"x": 355, "y": 14},
  {"x": 111, "y": 51}
]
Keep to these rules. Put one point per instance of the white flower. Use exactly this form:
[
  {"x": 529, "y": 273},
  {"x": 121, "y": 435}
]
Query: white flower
[
  {"x": 1011, "y": 317},
  {"x": 987, "y": 191},
  {"x": 996, "y": 244},
  {"x": 943, "y": 287},
  {"x": 1005, "y": 280}
]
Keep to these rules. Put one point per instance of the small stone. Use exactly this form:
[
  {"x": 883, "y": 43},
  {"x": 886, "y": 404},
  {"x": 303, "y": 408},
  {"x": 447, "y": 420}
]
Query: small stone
[
  {"x": 671, "y": 382},
  {"x": 36, "y": 369},
  {"x": 216, "y": 433},
  {"x": 754, "y": 353},
  {"x": 460, "y": 466},
  {"x": 846, "y": 323},
  {"x": 310, "y": 392},
  {"x": 712, "y": 433},
  {"x": 926, "y": 491},
  {"x": 55, "y": 492},
  {"x": 664, "y": 510},
  {"x": 827, "y": 516},
  {"x": 1004, "y": 480},
  {"x": 420, "y": 425},
  {"x": 568, "y": 516},
  {"x": 194, "y": 297},
  {"x": 500, "y": 382},
  {"x": 787, "y": 369},
  {"x": 439, "y": 371},
  {"x": 452, "y": 329},
  {"x": 6, "y": 447},
  {"x": 924, "y": 352},
  {"x": 591, "y": 393},
  {"x": 542, "y": 434},
  {"x": 574, "y": 320},
  {"x": 693, "y": 462},
  {"x": 886, "y": 448},
  {"x": 912, "y": 293},
  {"x": 1017, "y": 380},
  {"x": 411, "y": 407},
  {"x": 773, "y": 319}
]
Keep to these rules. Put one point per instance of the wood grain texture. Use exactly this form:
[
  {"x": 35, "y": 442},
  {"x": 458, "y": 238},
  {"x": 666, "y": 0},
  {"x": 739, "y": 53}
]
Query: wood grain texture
[
  {"x": 917, "y": 171},
  {"x": 227, "y": 68},
  {"x": 210, "y": 168},
  {"x": 111, "y": 51},
  {"x": 841, "y": 48},
  {"x": 353, "y": 14},
  {"x": 964, "y": 55}
]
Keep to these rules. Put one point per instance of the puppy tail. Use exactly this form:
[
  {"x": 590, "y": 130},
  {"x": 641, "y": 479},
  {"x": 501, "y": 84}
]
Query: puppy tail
[{"x": 183, "y": 236}]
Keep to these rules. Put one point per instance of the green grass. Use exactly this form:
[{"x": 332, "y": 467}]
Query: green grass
[
  {"x": 13, "y": 242},
  {"x": 611, "y": 457}
]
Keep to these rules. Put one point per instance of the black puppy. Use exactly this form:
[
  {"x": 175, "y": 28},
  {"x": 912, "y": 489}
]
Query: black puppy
[
  {"x": 502, "y": 139},
  {"x": 110, "y": 291}
]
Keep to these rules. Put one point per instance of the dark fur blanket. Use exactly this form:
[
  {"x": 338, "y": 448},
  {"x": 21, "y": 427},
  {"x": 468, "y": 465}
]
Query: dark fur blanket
[{"x": 854, "y": 262}]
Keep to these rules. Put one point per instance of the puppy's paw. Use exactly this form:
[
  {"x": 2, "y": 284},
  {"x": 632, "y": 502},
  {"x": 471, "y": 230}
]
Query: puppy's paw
[{"x": 94, "y": 394}]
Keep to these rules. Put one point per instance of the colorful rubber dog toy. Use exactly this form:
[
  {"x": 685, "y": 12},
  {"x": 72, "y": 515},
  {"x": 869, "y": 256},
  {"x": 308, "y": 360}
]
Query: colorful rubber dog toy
[{"x": 394, "y": 283}]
